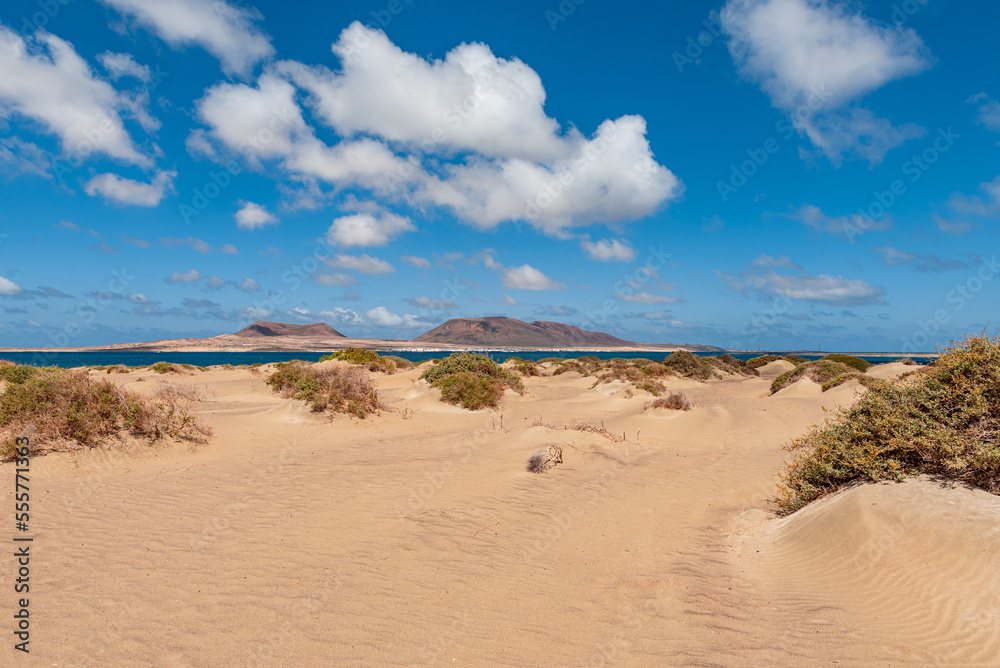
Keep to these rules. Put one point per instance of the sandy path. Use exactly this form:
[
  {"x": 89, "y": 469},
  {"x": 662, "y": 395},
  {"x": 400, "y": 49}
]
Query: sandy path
[{"x": 418, "y": 538}]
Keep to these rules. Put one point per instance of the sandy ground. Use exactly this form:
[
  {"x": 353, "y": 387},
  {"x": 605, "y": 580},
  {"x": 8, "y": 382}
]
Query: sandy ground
[{"x": 417, "y": 538}]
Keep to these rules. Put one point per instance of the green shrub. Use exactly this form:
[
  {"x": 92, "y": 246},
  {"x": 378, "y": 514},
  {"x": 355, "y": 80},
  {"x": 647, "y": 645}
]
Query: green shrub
[
  {"x": 821, "y": 371},
  {"x": 17, "y": 373},
  {"x": 334, "y": 389},
  {"x": 654, "y": 387},
  {"x": 165, "y": 367},
  {"x": 524, "y": 367},
  {"x": 795, "y": 359},
  {"x": 470, "y": 390},
  {"x": 69, "y": 409},
  {"x": 758, "y": 362},
  {"x": 486, "y": 372},
  {"x": 399, "y": 362},
  {"x": 854, "y": 362},
  {"x": 688, "y": 365},
  {"x": 941, "y": 420},
  {"x": 370, "y": 359}
]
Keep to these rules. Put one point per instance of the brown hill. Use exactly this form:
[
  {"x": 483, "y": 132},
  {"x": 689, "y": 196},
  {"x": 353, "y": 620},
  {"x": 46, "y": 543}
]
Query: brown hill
[
  {"x": 501, "y": 331},
  {"x": 263, "y": 328}
]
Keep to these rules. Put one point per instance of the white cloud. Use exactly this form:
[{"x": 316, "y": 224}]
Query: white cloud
[
  {"x": 986, "y": 205},
  {"x": 507, "y": 299},
  {"x": 418, "y": 262},
  {"x": 18, "y": 157},
  {"x": 432, "y": 304},
  {"x": 120, "y": 190},
  {"x": 381, "y": 316},
  {"x": 224, "y": 30},
  {"x": 364, "y": 264},
  {"x": 645, "y": 298},
  {"x": 527, "y": 277},
  {"x": 365, "y": 229},
  {"x": 229, "y": 249},
  {"x": 57, "y": 88},
  {"x": 515, "y": 163},
  {"x": 813, "y": 218},
  {"x": 191, "y": 276},
  {"x": 989, "y": 115},
  {"x": 609, "y": 250},
  {"x": 249, "y": 285},
  {"x": 335, "y": 280},
  {"x": 251, "y": 216},
  {"x": 893, "y": 257},
  {"x": 9, "y": 287},
  {"x": 814, "y": 56},
  {"x": 121, "y": 65},
  {"x": 762, "y": 276},
  {"x": 342, "y": 315},
  {"x": 139, "y": 298}
]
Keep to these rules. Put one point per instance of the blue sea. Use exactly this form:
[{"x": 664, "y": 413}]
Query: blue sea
[{"x": 132, "y": 358}]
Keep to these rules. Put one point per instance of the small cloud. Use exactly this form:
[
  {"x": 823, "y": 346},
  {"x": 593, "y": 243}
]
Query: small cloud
[
  {"x": 249, "y": 285},
  {"x": 119, "y": 190},
  {"x": 365, "y": 229},
  {"x": 557, "y": 311},
  {"x": 335, "y": 280},
  {"x": 121, "y": 65},
  {"x": 645, "y": 298},
  {"x": 139, "y": 298},
  {"x": 418, "y": 262},
  {"x": 141, "y": 243},
  {"x": 954, "y": 227},
  {"x": 507, "y": 299},
  {"x": 68, "y": 225},
  {"x": 252, "y": 216},
  {"x": 714, "y": 224},
  {"x": 192, "y": 276},
  {"x": 892, "y": 257},
  {"x": 364, "y": 264},
  {"x": 8, "y": 287},
  {"x": 216, "y": 283},
  {"x": 608, "y": 250},
  {"x": 433, "y": 304},
  {"x": 229, "y": 249},
  {"x": 104, "y": 249}
]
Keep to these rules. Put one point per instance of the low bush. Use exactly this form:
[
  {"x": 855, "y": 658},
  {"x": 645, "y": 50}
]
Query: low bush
[
  {"x": 855, "y": 363},
  {"x": 370, "y": 359},
  {"x": 944, "y": 420},
  {"x": 17, "y": 373},
  {"x": 472, "y": 380},
  {"x": 821, "y": 371},
  {"x": 730, "y": 364},
  {"x": 758, "y": 362},
  {"x": 688, "y": 365},
  {"x": 68, "y": 409},
  {"x": 795, "y": 359},
  {"x": 524, "y": 367},
  {"x": 166, "y": 367},
  {"x": 470, "y": 390},
  {"x": 334, "y": 389},
  {"x": 675, "y": 401}
]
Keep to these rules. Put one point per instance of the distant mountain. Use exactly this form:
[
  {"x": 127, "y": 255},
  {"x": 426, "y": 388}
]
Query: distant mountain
[
  {"x": 501, "y": 331},
  {"x": 262, "y": 328}
]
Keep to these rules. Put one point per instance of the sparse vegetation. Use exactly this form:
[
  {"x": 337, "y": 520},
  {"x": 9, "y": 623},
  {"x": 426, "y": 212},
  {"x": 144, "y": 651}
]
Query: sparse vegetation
[
  {"x": 334, "y": 389},
  {"x": 166, "y": 367},
  {"x": 944, "y": 420},
  {"x": 855, "y": 363},
  {"x": 688, "y": 365},
  {"x": 69, "y": 409},
  {"x": 370, "y": 359},
  {"x": 524, "y": 367},
  {"x": 730, "y": 364},
  {"x": 675, "y": 401},
  {"x": 471, "y": 380},
  {"x": 825, "y": 372}
]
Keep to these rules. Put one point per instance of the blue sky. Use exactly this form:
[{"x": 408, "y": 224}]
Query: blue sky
[{"x": 758, "y": 173}]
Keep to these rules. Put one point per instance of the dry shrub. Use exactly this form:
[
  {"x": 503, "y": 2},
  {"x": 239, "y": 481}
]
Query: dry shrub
[
  {"x": 688, "y": 365},
  {"x": 675, "y": 401},
  {"x": 542, "y": 460},
  {"x": 730, "y": 364},
  {"x": 943, "y": 420},
  {"x": 67, "y": 410},
  {"x": 336, "y": 389},
  {"x": 524, "y": 367}
]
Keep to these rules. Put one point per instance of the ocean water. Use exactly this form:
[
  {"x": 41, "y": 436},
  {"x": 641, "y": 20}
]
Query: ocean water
[{"x": 131, "y": 358}]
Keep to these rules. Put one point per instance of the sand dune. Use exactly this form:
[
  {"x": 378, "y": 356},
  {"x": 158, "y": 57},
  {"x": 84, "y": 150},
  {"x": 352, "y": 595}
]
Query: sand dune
[{"x": 417, "y": 537}]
